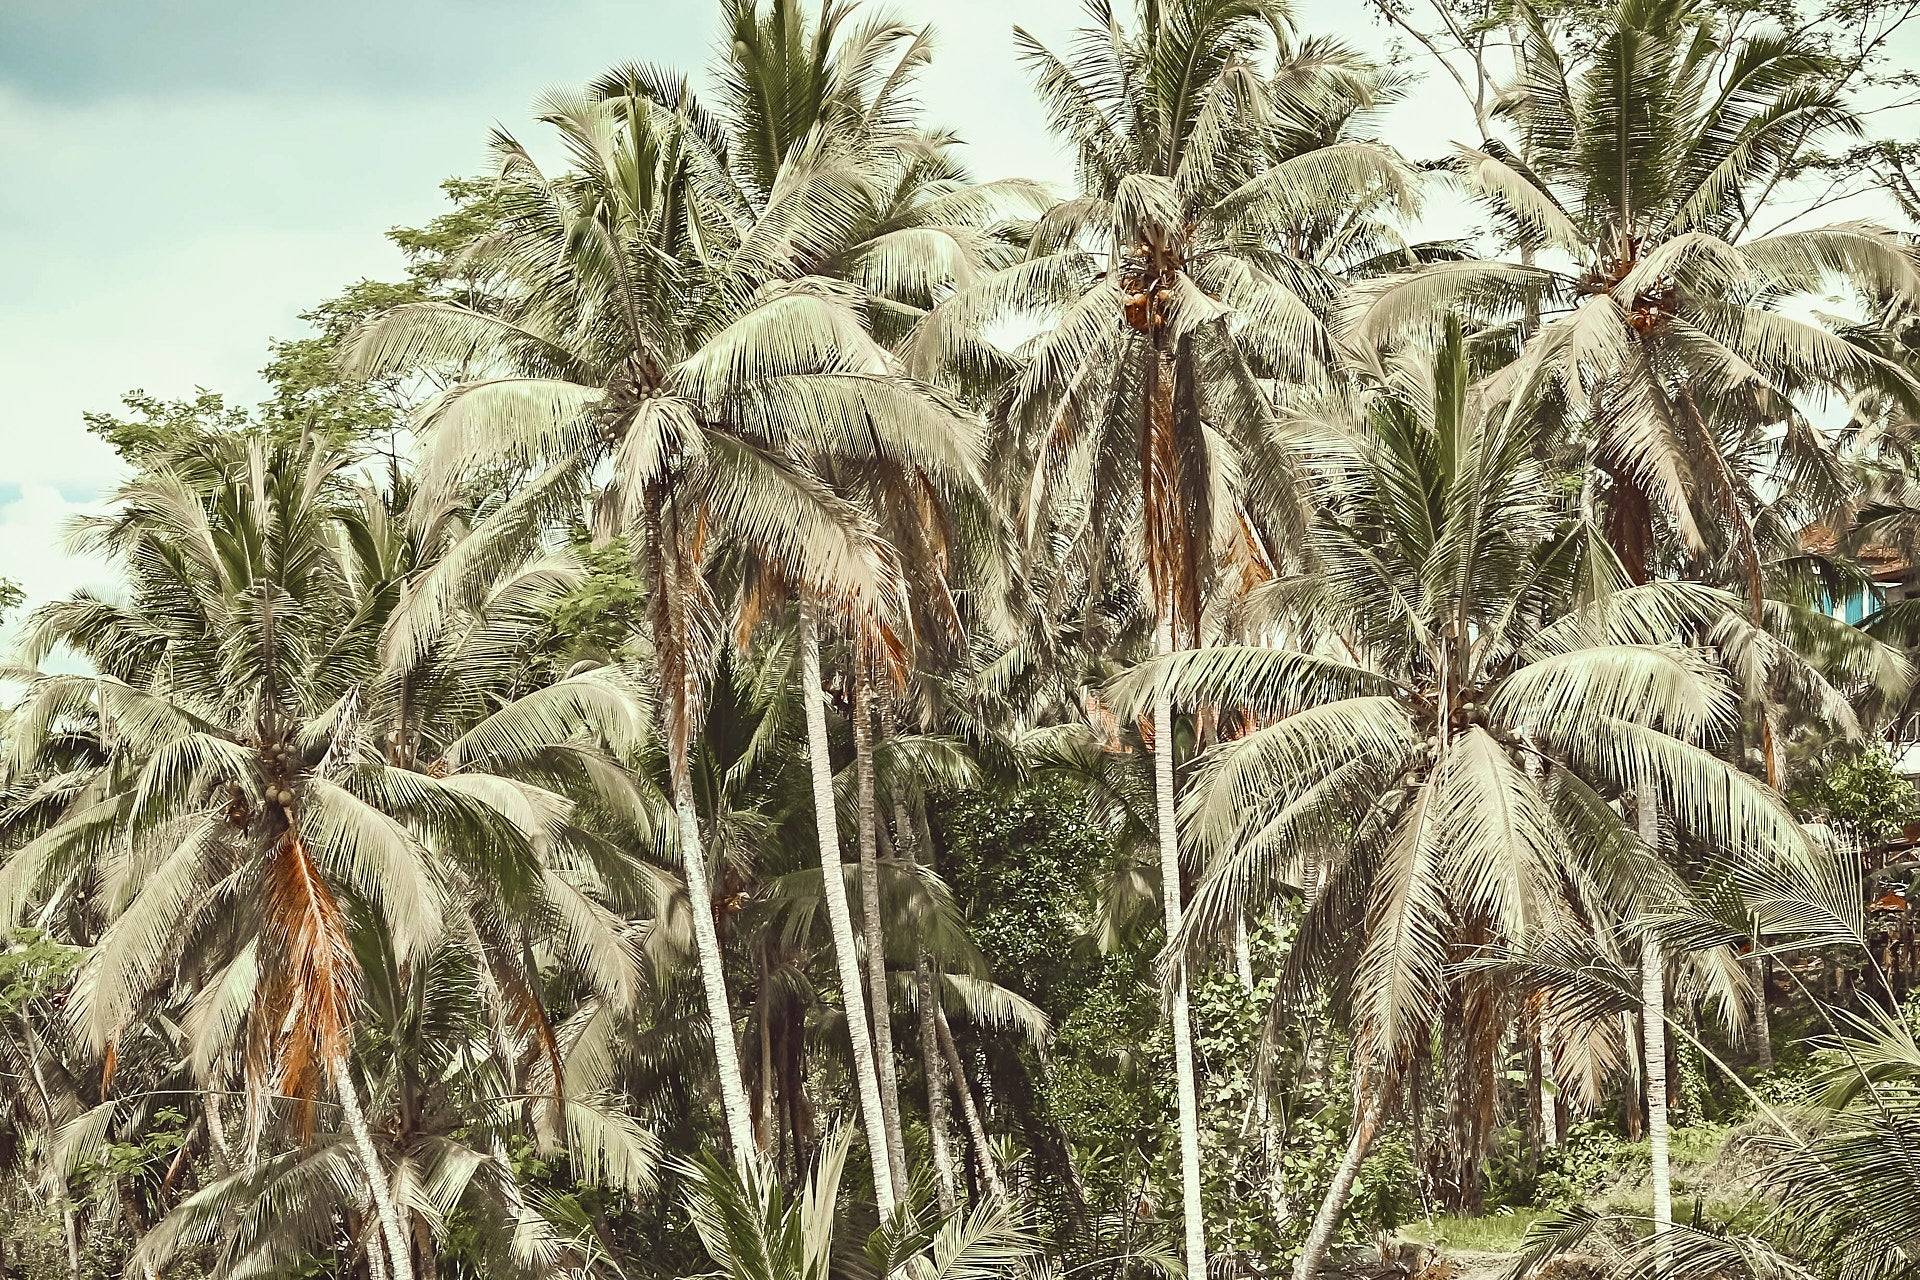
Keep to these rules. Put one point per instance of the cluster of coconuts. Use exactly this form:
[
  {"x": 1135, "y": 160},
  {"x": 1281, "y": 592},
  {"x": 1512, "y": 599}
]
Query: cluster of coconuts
[
  {"x": 1143, "y": 316},
  {"x": 279, "y": 757}
]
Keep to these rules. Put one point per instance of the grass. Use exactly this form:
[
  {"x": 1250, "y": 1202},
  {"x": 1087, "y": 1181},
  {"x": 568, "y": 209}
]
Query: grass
[
  {"x": 1495, "y": 1233},
  {"x": 1700, "y": 1170}
]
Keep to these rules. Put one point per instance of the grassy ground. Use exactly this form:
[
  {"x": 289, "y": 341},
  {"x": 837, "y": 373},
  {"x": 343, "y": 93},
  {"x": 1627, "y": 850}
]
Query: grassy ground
[
  {"x": 1702, "y": 1172},
  {"x": 1495, "y": 1233}
]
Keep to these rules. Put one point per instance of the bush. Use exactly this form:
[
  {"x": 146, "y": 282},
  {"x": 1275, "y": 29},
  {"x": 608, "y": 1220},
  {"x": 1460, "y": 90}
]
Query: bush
[{"x": 1861, "y": 794}]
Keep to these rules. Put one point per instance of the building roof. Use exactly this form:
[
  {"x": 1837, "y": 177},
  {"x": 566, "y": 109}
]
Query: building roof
[{"x": 1882, "y": 562}]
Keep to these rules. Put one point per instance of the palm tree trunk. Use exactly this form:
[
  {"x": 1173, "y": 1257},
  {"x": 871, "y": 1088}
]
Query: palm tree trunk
[
  {"x": 977, "y": 1132},
  {"x": 399, "y": 1248},
  {"x": 1653, "y": 999},
  {"x": 833, "y": 889},
  {"x": 1762, "y": 1016},
  {"x": 1536, "y": 1131},
  {"x": 217, "y": 1129},
  {"x": 1171, "y": 908},
  {"x": 933, "y": 1063},
  {"x": 69, "y": 1225},
  {"x": 764, "y": 1125},
  {"x": 713, "y": 977},
  {"x": 70, "y": 1232},
  {"x": 376, "y": 1256},
  {"x": 1242, "y": 952},
  {"x": 1653, "y": 1038},
  {"x": 429, "y": 1254},
  {"x": 1762, "y": 967},
  {"x": 877, "y": 990},
  {"x": 1366, "y": 1123}
]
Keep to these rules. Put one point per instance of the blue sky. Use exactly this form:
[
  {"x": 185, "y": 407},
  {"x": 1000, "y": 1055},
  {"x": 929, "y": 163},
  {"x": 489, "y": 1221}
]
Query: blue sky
[{"x": 182, "y": 177}]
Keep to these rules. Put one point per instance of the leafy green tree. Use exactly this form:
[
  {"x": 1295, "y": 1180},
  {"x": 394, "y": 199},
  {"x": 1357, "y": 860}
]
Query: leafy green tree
[{"x": 1861, "y": 793}]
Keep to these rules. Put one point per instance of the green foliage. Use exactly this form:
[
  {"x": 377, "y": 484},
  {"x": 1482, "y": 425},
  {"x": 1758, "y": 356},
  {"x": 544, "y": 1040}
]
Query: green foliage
[
  {"x": 152, "y": 429},
  {"x": 33, "y": 966},
  {"x": 309, "y": 391},
  {"x": 154, "y": 1146},
  {"x": 1499, "y": 1232},
  {"x": 1590, "y": 1157},
  {"x": 601, "y": 617},
  {"x": 1860, "y": 793},
  {"x": 1021, "y": 860}
]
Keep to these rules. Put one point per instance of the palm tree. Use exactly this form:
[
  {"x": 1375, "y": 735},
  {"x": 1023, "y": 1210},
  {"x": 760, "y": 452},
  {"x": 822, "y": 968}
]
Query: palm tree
[
  {"x": 270, "y": 795},
  {"x": 1194, "y": 268},
  {"x": 1444, "y": 736},
  {"x": 458, "y": 1135},
  {"x": 662, "y": 327},
  {"x": 1838, "y": 1168},
  {"x": 1644, "y": 162},
  {"x": 795, "y": 89}
]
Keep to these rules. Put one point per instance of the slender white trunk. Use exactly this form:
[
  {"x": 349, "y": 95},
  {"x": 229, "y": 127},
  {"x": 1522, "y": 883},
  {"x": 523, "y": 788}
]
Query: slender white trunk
[
  {"x": 1762, "y": 1016},
  {"x": 933, "y": 1065},
  {"x": 1242, "y": 953},
  {"x": 1653, "y": 1036},
  {"x": 765, "y": 1125},
  {"x": 1653, "y": 999},
  {"x": 1183, "y": 1073},
  {"x": 217, "y": 1129},
  {"x": 713, "y": 978},
  {"x": 399, "y": 1250},
  {"x": 1761, "y": 967},
  {"x": 833, "y": 888},
  {"x": 873, "y": 935},
  {"x": 69, "y": 1225},
  {"x": 70, "y": 1232},
  {"x": 376, "y": 1256}
]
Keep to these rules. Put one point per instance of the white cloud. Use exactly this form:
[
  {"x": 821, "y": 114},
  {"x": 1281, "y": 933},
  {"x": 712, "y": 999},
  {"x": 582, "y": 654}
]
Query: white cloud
[{"x": 33, "y": 529}]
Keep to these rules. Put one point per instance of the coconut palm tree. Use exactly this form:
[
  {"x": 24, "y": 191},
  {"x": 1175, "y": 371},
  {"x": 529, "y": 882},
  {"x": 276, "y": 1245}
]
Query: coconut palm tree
[
  {"x": 663, "y": 326},
  {"x": 795, "y": 88},
  {"x": 455, "y": 1138},
  {"x": 1642, "y": 162},
  {"x": 1838, "y": 1168},
  {"x": 269, "y": 792},
  {"x": 1193, "y": 270},
  {"x": 1445, "y": 736}
]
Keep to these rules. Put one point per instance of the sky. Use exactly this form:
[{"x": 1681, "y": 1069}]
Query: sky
[{"x": 183, "y": 178}]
